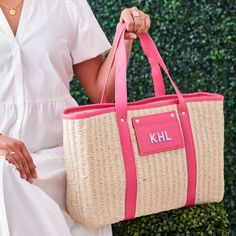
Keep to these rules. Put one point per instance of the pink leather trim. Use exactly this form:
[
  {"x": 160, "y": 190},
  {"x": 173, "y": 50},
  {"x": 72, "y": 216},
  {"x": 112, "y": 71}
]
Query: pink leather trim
[
  {"x": 130, "y": 169},
  {"x": 151, "y": 53},
  {"x": 124, "y": 132},
  {"x": 190, "y": 156},
  {"x": 115, "y": 44},
  {"x": 86, "y": 111}
]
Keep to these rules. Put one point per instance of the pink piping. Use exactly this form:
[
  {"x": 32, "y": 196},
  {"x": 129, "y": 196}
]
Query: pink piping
[{"x": 86, "y": 111}]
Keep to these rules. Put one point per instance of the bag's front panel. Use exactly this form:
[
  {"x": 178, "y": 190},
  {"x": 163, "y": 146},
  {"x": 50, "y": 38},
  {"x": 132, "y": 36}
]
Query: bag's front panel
[
  {"x": 96, "y": 180},
  {"x": 162, "y": 177},
  {"x": 208, "y": 131}
]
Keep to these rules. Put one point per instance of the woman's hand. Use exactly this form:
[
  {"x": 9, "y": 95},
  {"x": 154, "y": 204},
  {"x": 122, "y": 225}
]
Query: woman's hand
[
  {"x": 17, "y": 154},
  {"x": 136, "y": 22}
]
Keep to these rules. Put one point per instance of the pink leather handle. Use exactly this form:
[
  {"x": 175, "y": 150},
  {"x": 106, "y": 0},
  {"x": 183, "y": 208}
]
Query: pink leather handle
[
  {"x": 121, "y": 78},
  {"x": 116, "y": 41},
  {"x": 151, "y": 53}
]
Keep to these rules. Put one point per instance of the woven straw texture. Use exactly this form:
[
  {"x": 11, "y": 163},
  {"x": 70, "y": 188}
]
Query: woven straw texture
[{"x": 96, "y": 175}]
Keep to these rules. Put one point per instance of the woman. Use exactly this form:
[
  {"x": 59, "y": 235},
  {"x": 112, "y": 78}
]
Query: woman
[{"x": 41, "y": 42}]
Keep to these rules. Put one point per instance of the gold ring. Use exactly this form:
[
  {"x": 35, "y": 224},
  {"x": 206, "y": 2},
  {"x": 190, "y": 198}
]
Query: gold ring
[
  {"x": 11, "y": 153},
  {"x": 135, "y": 14}
]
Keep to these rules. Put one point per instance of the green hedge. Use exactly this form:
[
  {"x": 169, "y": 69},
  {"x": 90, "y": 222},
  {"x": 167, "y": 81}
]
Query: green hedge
[
  {"x": 197, "y": 39},
  {"x": 207, "y": 219}
]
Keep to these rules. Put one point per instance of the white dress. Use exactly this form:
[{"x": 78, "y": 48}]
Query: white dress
[{"x": 35, "y": 72}]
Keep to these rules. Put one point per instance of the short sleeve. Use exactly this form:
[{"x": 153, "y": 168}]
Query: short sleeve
[{"x": 89, "y": 40}]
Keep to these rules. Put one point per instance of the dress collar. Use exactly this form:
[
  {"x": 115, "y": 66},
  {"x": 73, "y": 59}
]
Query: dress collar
[{"x": 5, "y": 27}]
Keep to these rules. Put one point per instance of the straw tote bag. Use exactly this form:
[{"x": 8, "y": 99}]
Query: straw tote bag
[{"x": 125, "y": 160}]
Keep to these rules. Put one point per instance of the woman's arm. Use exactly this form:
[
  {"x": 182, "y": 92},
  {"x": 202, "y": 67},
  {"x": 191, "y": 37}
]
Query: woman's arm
[{"x": 92, "y": 73}]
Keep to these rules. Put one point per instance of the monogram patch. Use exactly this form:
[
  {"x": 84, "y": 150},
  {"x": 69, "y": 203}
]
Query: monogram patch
[{"x": 158, "y": 133}]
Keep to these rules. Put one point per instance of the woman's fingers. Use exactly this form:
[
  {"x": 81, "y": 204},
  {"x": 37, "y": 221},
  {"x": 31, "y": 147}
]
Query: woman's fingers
[
  {"x": 130, "y": 35},
  {"x": 127, "y": 34},
  {"x": 25, "y": 166},
  {"x": 147, "y": 22},
  {"x": 16, "y": 146},
  {"x": 136, "y": 22},
  {"x": 29, "y": 161},
  {"x": 15, "y": 160},
  {"x": 19, "y": 165},
  {"x": 143, "y": 27},
  {"x": 25, "y": 163},
  {"x": 11, "y": 159},
  {"x": 128, "y": 19},
  {"x": 135, "y": 13}
]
